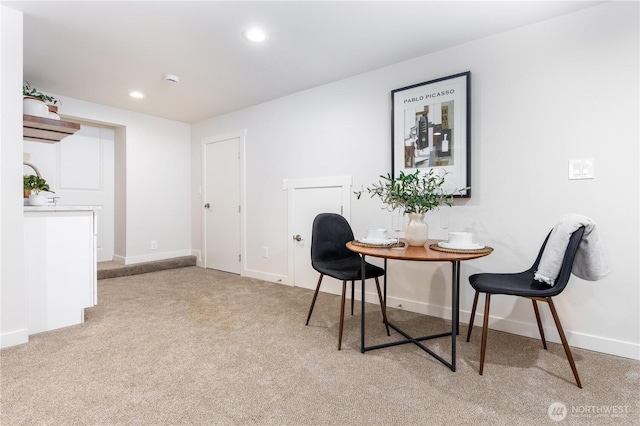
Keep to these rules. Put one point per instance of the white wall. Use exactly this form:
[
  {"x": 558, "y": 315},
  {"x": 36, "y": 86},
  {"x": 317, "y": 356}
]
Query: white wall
[
  {"x": 152, "y": 180},
  {"x": 13, "y": 318},
  {"x": 541, "y": 95}
]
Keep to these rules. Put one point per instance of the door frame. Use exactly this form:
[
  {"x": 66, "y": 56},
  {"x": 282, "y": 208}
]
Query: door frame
[
  {"x": 344, "y": 182},
  {"x": 241, "y": 135}
]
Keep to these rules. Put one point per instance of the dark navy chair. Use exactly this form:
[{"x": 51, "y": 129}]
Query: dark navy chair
[
  {"x": 523, "y": 284},
  {"x": 330, "y": 256}
]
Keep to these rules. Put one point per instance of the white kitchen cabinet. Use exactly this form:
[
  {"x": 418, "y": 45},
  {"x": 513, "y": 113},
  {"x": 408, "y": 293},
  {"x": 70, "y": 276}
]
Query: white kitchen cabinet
[{"x": 60, "y": 265}]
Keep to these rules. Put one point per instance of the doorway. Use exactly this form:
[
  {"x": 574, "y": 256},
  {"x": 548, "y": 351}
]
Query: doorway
[
  {"x": 82, "y": 171},
  {"x": 86, "y": 177}
]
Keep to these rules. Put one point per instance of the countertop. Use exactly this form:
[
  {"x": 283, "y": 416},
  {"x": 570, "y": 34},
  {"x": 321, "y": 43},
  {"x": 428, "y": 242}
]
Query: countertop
[{"x": 60, "y": 208}]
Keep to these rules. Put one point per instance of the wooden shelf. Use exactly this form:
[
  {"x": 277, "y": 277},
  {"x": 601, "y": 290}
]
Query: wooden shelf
[{"x": 40, "y": 129}]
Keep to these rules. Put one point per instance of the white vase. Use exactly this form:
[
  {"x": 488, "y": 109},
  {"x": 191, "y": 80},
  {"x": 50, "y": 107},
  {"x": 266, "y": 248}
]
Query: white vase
[
  {"x": 416, "y": 233},
  {"x": 38, "y": 199},
  {"x": 32, "y": 106}
]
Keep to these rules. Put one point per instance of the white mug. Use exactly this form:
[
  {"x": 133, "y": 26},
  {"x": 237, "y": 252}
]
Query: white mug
[
  {"x": 460, "y": 238},
  {"x": 377, "y": 234}
]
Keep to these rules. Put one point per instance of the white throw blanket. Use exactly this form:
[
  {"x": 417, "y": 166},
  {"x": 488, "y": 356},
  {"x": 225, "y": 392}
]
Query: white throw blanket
[{"x": 591, "y": 261}]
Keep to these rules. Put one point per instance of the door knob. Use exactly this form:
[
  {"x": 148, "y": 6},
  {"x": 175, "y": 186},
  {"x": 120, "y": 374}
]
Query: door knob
[
  {"x": 206, "y": 206},
  {"x": 297, "y": 238}
]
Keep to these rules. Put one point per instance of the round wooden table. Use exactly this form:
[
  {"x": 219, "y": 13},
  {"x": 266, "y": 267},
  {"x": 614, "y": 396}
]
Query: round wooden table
[{"x": 421, "y": 254}]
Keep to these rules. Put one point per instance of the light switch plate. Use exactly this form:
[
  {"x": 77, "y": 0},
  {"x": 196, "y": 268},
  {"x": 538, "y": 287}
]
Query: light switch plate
[{"x": 581, "y": 169}]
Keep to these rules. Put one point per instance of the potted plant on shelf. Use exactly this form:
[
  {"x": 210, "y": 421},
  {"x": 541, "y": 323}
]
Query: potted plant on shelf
[
  {"x": 33, "y": 186},
  {"x": 416, "y": 194},
  {"x": 37, "y": 103}
]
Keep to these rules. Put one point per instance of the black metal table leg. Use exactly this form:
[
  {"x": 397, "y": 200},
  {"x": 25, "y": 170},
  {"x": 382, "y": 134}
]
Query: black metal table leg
[
  {"x": 455, "y": 320},
  {"x": 363, "y": 265},
  {"x": 455, "y": 280},
  {"x": 385, "y": 286},
  {"x": 455, "y": 309}
]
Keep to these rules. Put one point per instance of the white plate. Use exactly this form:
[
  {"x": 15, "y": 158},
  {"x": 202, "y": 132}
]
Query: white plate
[
  {"x": 473, "y": 246},
  {"x": 376, "y": 241}
]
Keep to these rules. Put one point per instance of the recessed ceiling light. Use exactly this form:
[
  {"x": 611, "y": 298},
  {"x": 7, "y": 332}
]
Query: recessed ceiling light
[
  {"x": 255, "y": 35},
  {"x": 136, "y": 95}
]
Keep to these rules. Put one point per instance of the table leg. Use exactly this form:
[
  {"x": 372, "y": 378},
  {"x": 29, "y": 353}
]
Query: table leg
[
  {"x": 455, "y": 309},
  {"x": 362, "y": 309},
  {"x": 455, "y": 281},
  {"x": 455, "y": 318},
  {"x": 384, "y": 292}
]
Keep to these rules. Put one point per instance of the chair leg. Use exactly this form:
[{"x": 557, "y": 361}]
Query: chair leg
[
  {"x": 485, "y": 327},
  {"x": 344, "y": 290},
  {"x": 315, "y": 296},
  {"x": 535, "y": 309},
  {"x": 352, "y": 295},
  {"x": 382, "y": 306},
  {"x": 567, "y": 350},
  {"x": 473, "y": 315}
]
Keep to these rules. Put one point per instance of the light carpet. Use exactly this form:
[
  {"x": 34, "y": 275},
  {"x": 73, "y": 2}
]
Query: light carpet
[{"x": 198, "y": 346}]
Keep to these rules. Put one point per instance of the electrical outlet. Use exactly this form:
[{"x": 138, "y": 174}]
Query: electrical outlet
[
  {"x": 265, "y": 252},
  {"x": 154, "y": 245}
]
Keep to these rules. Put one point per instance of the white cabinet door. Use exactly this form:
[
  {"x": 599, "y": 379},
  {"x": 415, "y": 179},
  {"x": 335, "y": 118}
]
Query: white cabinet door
[{"x": 60, "y": 273}]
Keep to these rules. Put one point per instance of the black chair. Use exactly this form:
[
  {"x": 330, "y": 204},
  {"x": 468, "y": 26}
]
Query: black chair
[
  {"x": 523, "y": 284},
  {"x": 330, "y": 256}
]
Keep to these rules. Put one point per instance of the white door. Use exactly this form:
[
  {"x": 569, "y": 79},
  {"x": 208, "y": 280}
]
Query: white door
[
  {"x": 222, "y": 205},
  {"x": 86, "y": 177},
  {"x": 308, "y": 199}
]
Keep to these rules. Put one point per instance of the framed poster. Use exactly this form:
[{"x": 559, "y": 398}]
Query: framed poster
[{"x": 431, "y": 129}]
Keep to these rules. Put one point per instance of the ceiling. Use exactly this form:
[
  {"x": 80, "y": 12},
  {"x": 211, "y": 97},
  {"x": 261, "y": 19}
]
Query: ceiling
[{"x": 100, "y": 51}]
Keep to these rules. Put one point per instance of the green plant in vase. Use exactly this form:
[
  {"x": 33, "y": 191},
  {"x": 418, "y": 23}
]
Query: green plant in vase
[
  {"x": 29, "y": 91},
  {"x": 32, "y": 187},
  {"x": 37, "y": 103},
  {"x": 414, "y": 193}
]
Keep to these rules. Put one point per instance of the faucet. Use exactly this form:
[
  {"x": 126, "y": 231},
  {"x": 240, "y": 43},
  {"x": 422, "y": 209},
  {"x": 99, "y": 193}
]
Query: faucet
[{"x": 35, "y": 169}]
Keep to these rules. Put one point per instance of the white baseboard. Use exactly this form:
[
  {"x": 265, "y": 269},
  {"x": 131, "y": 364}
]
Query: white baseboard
[
  {"x": 14, "y": 338},
  {"x": 132, "y": 260},
  {"x": 275, "y": 278},
  {"x": 579, "y": 340},
  {"x": 198, "y": 255}
]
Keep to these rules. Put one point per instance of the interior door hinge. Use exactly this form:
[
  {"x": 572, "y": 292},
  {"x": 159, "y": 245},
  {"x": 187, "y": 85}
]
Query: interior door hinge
[
  {"x": 239, "y": 258},
  {"x": 239, "y": 209}
]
